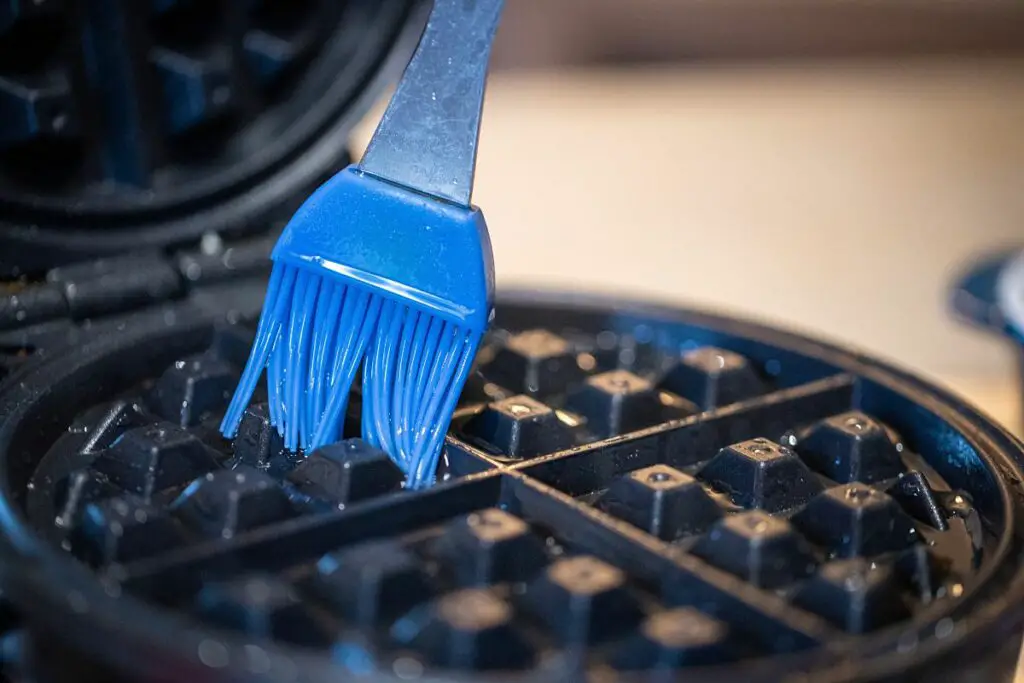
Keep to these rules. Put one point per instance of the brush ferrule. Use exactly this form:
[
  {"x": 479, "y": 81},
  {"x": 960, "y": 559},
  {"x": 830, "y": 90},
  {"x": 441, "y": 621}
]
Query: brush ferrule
[{"x": 429, "y": 254}]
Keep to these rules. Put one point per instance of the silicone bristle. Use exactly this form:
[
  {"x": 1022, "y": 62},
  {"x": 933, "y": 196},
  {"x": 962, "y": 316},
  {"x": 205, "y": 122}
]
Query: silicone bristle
[
  {"x": 322, "y": 354},
  {"x": 412, "y": 379},
  {"x": 296, "y": 373},
  {"x": 359, "y": 316},
  {"x": 275, "y": 308},
  {"x": 312, "y": 337}
]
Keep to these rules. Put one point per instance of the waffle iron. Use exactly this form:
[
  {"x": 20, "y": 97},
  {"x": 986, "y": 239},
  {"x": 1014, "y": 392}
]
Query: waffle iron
[{"x": 629, "y": 491}]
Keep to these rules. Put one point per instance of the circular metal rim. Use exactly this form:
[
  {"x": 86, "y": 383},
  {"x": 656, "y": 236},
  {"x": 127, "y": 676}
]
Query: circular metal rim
[{"x": 162, "y": 646}]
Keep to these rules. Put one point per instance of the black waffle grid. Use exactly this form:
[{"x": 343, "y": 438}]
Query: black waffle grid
[{"x": 603, "y": 502}]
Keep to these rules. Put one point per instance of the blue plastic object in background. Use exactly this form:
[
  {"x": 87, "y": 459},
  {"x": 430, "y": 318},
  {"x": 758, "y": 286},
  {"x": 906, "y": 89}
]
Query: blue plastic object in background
[
  {"x": 980, "y": 294},
  {"x": 388, "y": 265},
  {"x": 990, "y": 295}
]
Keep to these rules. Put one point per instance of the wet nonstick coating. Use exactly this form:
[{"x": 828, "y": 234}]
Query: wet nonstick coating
[{"x": 627, "y": 489}]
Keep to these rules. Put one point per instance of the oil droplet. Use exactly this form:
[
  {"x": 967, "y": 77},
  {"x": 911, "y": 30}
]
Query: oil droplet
[
  {"x": 944, "y": 628},
  {"x": 857, "y": 494},
  {"x": 907, "y": 642},
  {"x": 211, "y": 243},
  {"x": 77, "y": 602},
  {"x": 213, "y": 654},
  {"x": 856, "y": 424},
  {"x": 666, "y": 399},
  {"x": 519, "y": 409},
  {"x": 259, "y": 661},
  {"x": 567, "y": 419},
  {"x": 407, "y": 667},
  {"x": 606, "y": 339}
]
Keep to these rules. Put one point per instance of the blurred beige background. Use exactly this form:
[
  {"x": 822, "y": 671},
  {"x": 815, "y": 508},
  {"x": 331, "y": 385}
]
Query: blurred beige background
[
  {"x": 830, "y": 193},
  {"x": 544, "y": 33}
]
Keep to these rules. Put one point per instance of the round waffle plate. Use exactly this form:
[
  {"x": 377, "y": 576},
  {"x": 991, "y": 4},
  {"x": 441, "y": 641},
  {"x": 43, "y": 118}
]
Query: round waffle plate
[
  {"x": 146, "y": 123},
  {"x": 626, "y": 489}
]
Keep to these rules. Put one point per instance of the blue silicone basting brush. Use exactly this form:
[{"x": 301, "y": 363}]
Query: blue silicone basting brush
[{"x": 389, "y": 266}]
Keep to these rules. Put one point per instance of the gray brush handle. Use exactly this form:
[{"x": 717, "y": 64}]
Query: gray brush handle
[{"x": 427, "y": 139}]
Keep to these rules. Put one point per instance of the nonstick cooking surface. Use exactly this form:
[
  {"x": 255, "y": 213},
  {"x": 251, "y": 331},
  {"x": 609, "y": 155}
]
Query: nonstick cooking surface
[{"x": 622, "y": 490}]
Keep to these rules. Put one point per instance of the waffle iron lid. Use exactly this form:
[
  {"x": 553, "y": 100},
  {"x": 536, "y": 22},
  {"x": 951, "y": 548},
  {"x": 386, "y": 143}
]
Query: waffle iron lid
[{"x": 131, "y": 125}]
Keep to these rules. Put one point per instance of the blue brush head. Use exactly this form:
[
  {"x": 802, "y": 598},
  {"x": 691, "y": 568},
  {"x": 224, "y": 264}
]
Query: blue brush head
[
  {"x": 389, "y": 266},
  {"x": 405, "y": 288}
]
